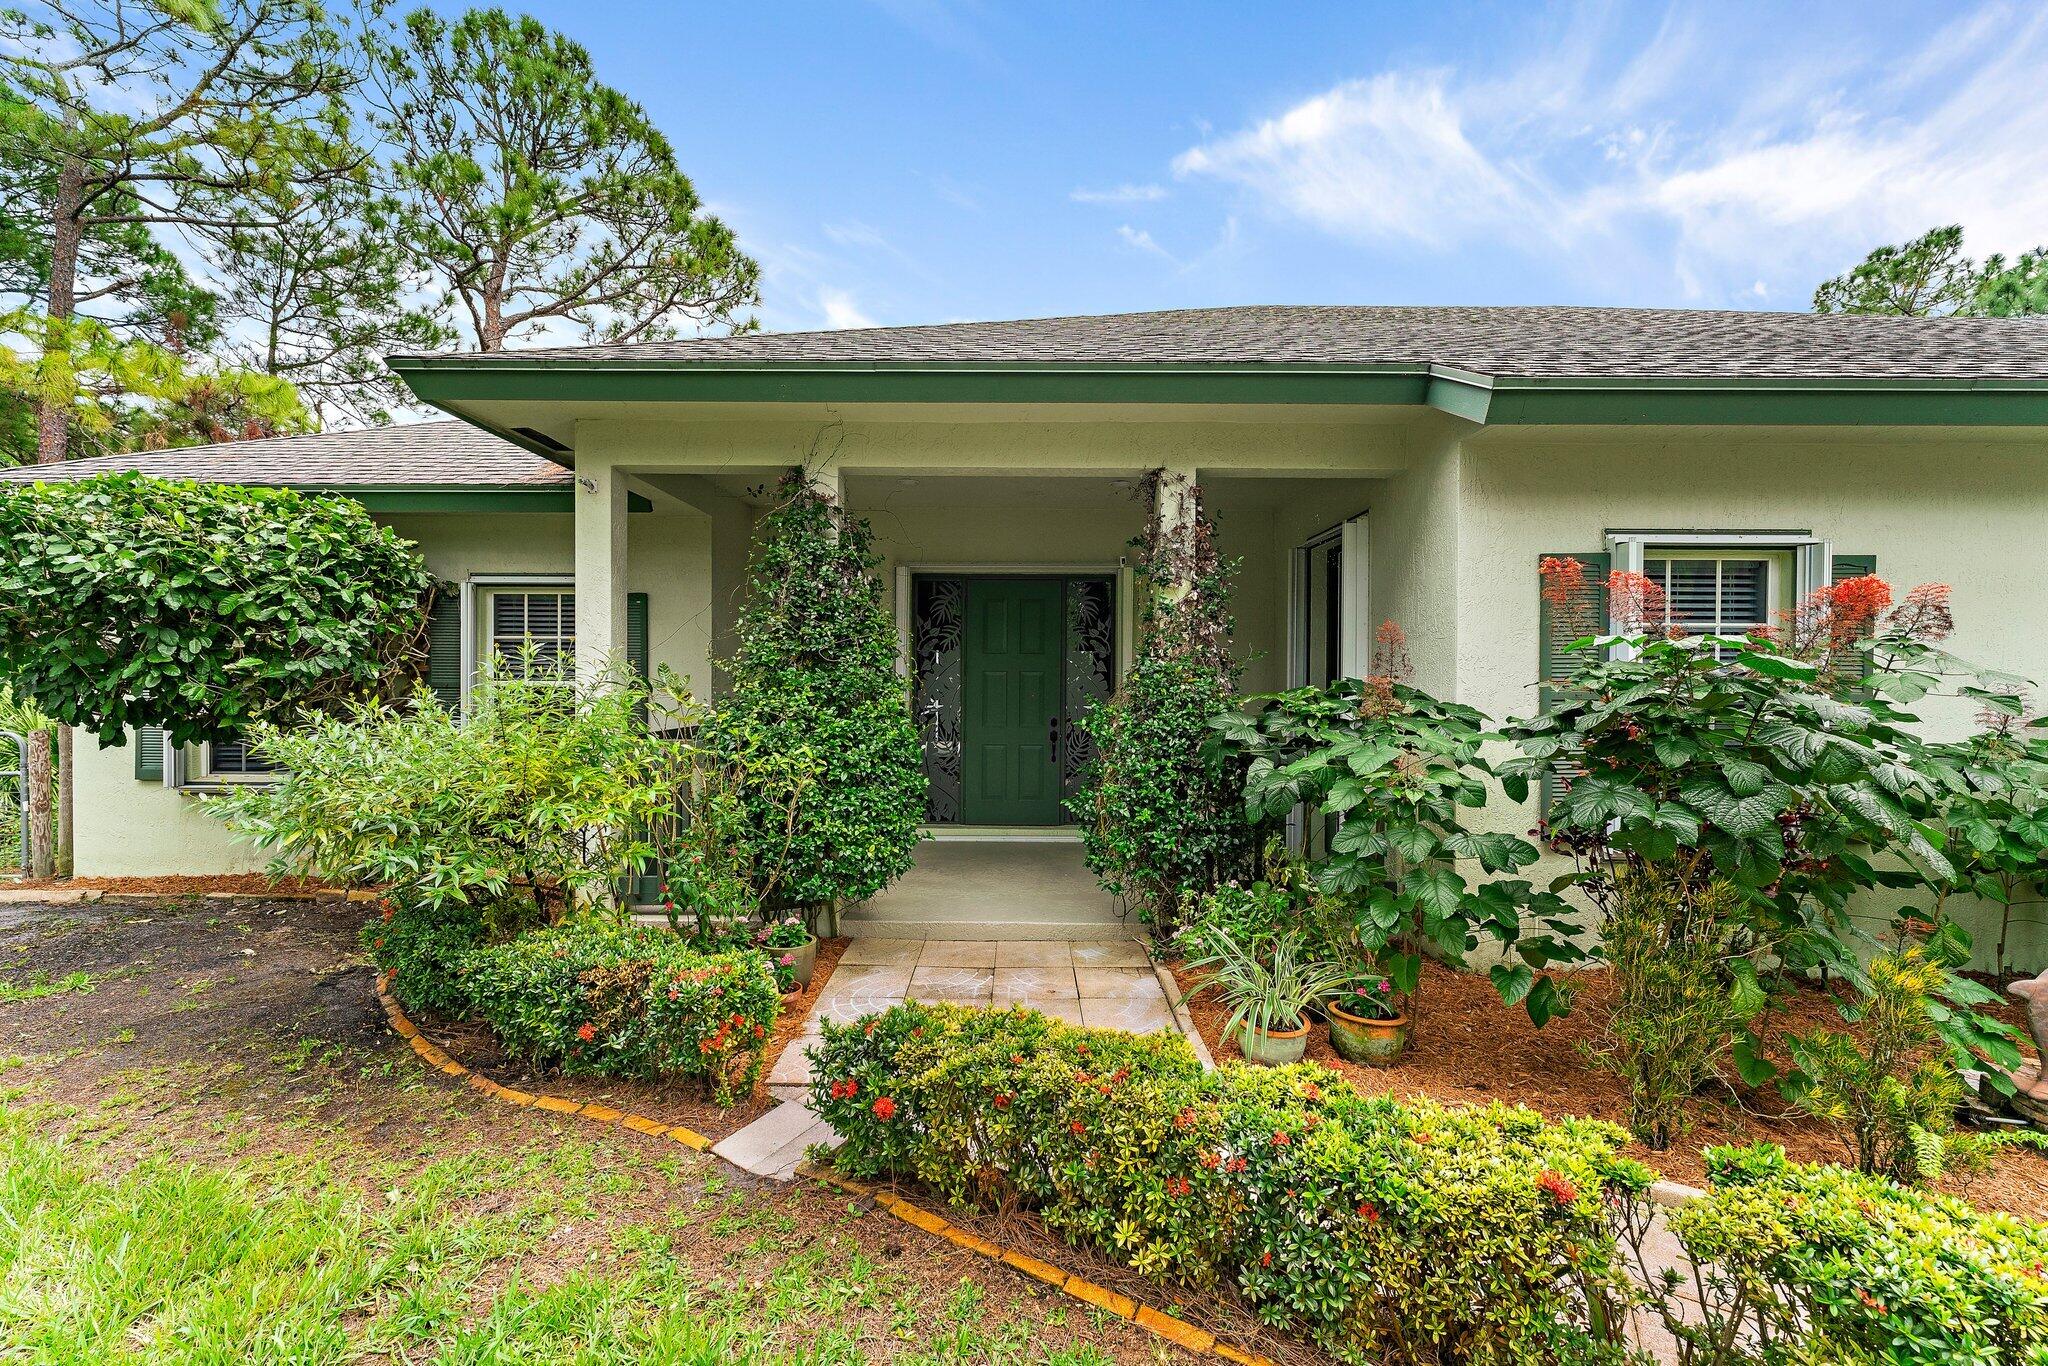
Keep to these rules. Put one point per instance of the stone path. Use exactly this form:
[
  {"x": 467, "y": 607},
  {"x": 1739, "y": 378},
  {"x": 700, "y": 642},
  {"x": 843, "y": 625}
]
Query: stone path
[{"x": 1105, "y": 984}]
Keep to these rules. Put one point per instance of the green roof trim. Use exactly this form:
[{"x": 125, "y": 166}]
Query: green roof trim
[
  {"x": 453, "y": 382},
  {"x": 462, "y": 498}
]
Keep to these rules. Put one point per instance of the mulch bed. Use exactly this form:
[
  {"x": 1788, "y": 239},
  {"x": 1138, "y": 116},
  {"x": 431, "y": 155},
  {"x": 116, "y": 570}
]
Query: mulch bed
[
  {"x": 239, "y": 884},
  {"x": 679, "y": 1102},
  {"x": 1467, "y": 1048}
]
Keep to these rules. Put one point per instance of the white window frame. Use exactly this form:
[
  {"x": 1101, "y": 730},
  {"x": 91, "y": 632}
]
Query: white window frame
[
  {"x": 189, "y": 768},
  {"x": 477, "y": 587},
  {"x": 1812, "y": 556}
]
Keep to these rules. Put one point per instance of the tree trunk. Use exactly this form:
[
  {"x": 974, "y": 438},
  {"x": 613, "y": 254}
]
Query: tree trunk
[
  {"x": 53, "y": 437},
  {"x": 67, "y": 814},
  {"x": 36, "y": 764}
]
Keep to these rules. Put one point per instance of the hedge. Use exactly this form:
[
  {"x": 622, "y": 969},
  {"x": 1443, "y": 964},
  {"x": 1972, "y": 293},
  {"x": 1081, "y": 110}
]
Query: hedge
[
  {"x": 1792, "y": 1253},
  {"x": 1381, "y": 1230},
  {"x": 590, "y": 996}
]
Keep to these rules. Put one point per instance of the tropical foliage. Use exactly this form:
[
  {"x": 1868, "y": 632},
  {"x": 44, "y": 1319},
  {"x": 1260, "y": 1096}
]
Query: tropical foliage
[
  {"x": 1782, "y": 765},
  {"x": 200, "y": 608},
  {"x": 1400, "y": 770}
]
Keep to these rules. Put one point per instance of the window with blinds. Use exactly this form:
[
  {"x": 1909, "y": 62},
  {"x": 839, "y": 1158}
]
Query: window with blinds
[
  {"x": 1712, "y": 594},
  {"x": 537, "y": 625},
  {"x": 236, "y": 760}
]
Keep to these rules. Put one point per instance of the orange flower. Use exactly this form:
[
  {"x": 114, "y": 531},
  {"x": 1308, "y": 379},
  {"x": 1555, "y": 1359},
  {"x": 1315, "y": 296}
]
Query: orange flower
[
  {"x": 1557, "y": 1188},
  {"x": 586, "y": 1031},
  {"x": 885, "y": 1109},
  {"x": 1636, "y": 603}
]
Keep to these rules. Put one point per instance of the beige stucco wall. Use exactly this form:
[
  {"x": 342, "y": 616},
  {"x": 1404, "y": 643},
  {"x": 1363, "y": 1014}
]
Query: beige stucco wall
[{"x": 127, "y": 827}]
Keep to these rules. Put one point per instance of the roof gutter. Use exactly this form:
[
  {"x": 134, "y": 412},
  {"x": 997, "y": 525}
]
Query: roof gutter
[{"x": 454, "y": 383}]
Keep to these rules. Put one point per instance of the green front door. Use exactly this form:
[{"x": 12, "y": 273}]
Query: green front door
[{"x": 1010, "y": 711}]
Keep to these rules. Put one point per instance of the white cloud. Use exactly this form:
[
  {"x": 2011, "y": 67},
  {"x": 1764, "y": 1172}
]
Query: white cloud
[
  {"x": 1142, "y": 240},
  {"x": 1383, "y": 157},
  {"x": 1120, "y": 194},
  {"x": 1681, "y": 148},
  {"x": 841, "y": 311}
]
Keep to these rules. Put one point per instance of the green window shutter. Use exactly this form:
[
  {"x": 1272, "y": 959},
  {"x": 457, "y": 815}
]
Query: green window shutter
[
  {"x": 1554, "y": 660},
  {"x": 1849, "y": 567},
  {"x": 636, "y": 633},
  {"x": 636, "y": 638},
  {"x": 149, "y": 754},
  {"x": 444, "y": 648}
]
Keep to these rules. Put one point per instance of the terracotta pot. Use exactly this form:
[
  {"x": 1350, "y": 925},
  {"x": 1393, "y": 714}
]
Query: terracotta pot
[
  {"x": 1273, "y": 1047},
  {"x": 806, "y": 961},
  {"x": 1360, "y": 1038}
]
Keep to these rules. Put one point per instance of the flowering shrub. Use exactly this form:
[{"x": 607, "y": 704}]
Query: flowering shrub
[
  {"x": 1781, "y": 765},
  {"x": 1798, "y": 1256},
  {"x": 1384, "y": 1231},
  {"x": 613, "y": 999}
]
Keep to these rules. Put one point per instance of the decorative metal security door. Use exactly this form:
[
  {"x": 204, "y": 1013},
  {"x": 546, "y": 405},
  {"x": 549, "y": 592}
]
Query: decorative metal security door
[{"x": 940, "y": 645}]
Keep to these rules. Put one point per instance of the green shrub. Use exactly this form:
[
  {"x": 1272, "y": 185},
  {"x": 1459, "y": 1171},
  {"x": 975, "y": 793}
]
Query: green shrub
[
  {"x": 1890, "y": 1089},
  {"x": 816, "y": 732},
  {"x": 1682, "y": 989},
  {"x": 422, "y": 949},
  {"x": 1160, "y": 811},
  {"x": 128, "y": 601},
  {"x": 543, "y": 791},
  {"x": 604, "y": 998},
  {"x": 1826, "y": 1265},
  {"x": 1384, "y": 1231}
]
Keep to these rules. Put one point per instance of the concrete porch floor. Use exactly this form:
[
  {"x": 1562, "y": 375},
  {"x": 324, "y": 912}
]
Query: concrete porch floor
[{"x": 964, "y": 887}]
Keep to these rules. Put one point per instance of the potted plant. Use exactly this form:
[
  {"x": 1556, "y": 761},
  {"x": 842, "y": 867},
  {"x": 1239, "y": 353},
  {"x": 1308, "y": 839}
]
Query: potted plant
[
  {"x": 1367, "y": 1023},
  {"x": 791, "y": 948},
  {"x": 1269, "y": 999}
]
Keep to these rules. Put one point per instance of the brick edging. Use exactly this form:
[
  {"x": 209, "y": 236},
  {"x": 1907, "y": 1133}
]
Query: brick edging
[
  {"x": 1200, "y": 1341},
  {"x": 1162, "y": 1326},
  {"x": 435, "y": 1056}
]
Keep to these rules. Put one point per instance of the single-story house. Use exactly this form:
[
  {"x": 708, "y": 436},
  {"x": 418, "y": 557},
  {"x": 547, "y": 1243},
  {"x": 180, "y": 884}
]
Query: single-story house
[{"x": 1365, "y": 464}]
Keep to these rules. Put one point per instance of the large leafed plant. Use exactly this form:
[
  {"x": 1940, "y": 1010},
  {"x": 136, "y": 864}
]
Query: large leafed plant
[
  {"x": 1400, "y": 769},
  {"x": 1782, "y": 764},
  {"x": 201, "y": 608}
]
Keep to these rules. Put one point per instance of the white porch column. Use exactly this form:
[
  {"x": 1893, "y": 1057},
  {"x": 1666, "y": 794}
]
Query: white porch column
[
  {"x": 1175, "y": 501},
  {"x": 600, "y": 565}
]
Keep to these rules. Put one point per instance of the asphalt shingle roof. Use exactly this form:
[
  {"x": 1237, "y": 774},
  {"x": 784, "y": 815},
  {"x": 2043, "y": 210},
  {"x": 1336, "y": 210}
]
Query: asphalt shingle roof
[
  {"x": 1537, "y": 342},
  {"x": 425, "y": 454}
]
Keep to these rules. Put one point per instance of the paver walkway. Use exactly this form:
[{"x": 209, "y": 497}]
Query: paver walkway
[{"x": 1105, "y": 984}]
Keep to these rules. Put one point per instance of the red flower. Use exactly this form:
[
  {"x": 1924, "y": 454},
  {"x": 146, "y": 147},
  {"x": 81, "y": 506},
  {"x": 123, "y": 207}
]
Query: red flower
[
  {"x": 885, "y": 1109},
  {"x": 1266, "y": 1258},
  {"x": 1178, "y": 1186},
  {"x": 1237, "y": 1164},
  {"x": 1078, "y": 1127},
  {"x": 1636, "y": 602},
  {"x": 1210, "y": 1161},
  {"x": 586, "y": 1031},
  {"x": 1280, "y": 1138},
  {"x": 1184, "y": 1120},
  {"x": 1002, "y": 1101},
  {"x": 1369, "y": 1212},
  {"x": 1311, "y": 1092},
  {"x": 1557, "y": 1188}
]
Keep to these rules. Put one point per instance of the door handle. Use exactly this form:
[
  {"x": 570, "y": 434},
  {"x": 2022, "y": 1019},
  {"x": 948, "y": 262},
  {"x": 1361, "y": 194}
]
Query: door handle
[{"x": 1052, "y": 737}]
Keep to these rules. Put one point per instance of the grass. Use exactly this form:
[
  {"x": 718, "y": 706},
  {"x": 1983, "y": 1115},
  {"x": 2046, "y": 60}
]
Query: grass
[
  {"x": 40, "y": 985},
  {"x": 456, "y": 1263}
]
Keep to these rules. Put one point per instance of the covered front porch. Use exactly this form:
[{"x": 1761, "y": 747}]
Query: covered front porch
[{"x": 1010, "y": 578}]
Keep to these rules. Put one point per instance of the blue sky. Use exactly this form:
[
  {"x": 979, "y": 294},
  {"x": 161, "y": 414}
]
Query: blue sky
[{"x": 911, "y": 161}]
